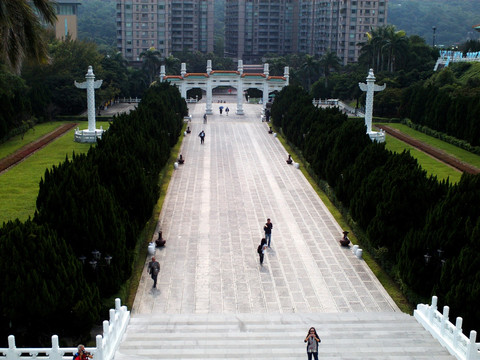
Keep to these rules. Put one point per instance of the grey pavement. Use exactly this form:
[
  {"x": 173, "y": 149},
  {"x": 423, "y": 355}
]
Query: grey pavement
[{"x": 213, "y": 217}]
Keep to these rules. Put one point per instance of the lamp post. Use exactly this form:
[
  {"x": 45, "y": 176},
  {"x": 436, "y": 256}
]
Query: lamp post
[
  {"x": 96, "y": 259},
  {"x": 435, "y": 258},
  {"x": 434, "y": 28}
]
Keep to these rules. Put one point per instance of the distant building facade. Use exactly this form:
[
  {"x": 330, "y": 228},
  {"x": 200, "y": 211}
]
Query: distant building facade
[
  {"x": 256, "y": 27},
  {"x": 66, "y": 24},
  {"x": 166, "y": 25}
]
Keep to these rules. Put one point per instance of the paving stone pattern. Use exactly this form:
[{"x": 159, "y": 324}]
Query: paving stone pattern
[
  {"x": 213, "y": 299},
  {"x": 213, "y": 217}
]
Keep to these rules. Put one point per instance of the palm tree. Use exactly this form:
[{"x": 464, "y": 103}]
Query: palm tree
[
  {"x": 310, "y": 69},
  {"x": 21, "y": 30},
  {"x": 277, "y": 66},
  {"x": 151, "y": 62},
  {"x": 373, "y": 47},
  {"x": 329, "y": 61},
  {"x": 172, "y": 65},
  {"x": 395, "y": 43}
]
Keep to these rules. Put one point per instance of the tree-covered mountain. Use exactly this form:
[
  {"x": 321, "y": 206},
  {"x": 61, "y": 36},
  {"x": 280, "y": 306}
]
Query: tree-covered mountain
[
  {"x": 96, "y": 22},
  {"x": 453, "y": 19}
]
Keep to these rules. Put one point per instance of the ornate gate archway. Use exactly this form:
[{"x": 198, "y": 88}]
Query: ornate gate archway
[{"x": 236, "y": 79}]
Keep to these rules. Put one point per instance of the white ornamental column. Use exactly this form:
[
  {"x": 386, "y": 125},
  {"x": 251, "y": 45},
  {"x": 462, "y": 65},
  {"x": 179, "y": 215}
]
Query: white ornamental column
[
  {"x": 286, "y": 74},
  {"x": 370, "y": 88},
  {"x": 240, "y": 88},
  {"x": 183, "y": 88},
  {"x": 90, "y": 84},
  {"x": 265, "y": 86},
  {"x": 209, "y": 110},
  {"x": 162, "y": 73}
]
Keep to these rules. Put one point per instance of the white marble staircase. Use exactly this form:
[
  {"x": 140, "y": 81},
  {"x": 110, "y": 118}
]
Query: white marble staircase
[{"x": 278, "y": 336}]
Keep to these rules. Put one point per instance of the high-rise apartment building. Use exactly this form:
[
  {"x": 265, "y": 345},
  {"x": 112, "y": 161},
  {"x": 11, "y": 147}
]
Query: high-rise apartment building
[
  {"x": 166, "y": 25},
  {"x": 66, "y": 24},
  {"x": 256, "y": 27}
]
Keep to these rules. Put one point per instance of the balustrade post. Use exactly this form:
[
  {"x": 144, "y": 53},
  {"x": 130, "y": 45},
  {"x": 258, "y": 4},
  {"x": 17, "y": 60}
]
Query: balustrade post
[
  {"x": 472, "y": 352},
  {"x": 446, "y": 310},
  {"x": 114, "y": 323},
  {"x": 55, "y": 353},
  {"x": 458, "y": 331},
  {"x": 112, "y": 316},
  {"x": 11, "y": 353},
  {"x": 432, "y": 309},
  {"x": 99, "y": 353},
  {"x": 106, "y": 330},
  {"x": 118, "y": 303}
]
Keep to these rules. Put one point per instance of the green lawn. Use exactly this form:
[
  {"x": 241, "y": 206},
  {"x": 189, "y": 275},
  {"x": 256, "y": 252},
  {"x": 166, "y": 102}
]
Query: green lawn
[
  {"x": 462, "y": 155},
  {"x": 429, "y": 164},
  {"x": 37, "y": 132},
  {"x": 19, "y": 185}
]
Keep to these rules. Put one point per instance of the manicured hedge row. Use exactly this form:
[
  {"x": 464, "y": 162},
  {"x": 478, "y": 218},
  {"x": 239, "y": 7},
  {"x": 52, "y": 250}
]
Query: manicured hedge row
[
  {"x": 403, "y": 213},
  {"x": 95, "y": 201}
]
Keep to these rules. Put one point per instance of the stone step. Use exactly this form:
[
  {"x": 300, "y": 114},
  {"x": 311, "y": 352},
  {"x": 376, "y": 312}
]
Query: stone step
[{"x": 277, "y": 336}]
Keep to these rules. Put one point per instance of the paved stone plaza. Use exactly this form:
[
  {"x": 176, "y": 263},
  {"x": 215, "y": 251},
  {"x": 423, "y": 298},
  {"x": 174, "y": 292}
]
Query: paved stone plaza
[{"x": 213, "y": 217}]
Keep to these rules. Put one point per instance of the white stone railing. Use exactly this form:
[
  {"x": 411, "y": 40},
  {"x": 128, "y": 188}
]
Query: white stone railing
[
  {"x": 340, "y": 104},
  {"x": 128, "y": 100},
  {"x": 448, "y": 56},
  {"x": 105, "y": 349},
  {"x": 449, "y": 335},
  {"x": 329, "y": 102}
]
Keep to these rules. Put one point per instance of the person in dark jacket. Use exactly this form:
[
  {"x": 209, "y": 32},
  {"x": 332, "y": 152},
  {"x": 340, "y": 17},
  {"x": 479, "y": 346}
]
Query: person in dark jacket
[
  {"x": 312, "y": 341},
  {"x": 261, "y": 250},
  {"x": 153, "y": 270}
]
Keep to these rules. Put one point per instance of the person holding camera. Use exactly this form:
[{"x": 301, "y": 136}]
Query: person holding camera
[
  {"x": 82, "y": 354},
  {"x": 312, "y": 341}
]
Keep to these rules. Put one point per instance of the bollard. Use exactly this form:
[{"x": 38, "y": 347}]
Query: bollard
[
  {"x": 354, "y": 249},
  {"x": 297, "y": 165},
  {"x": 175, "y": 165},
  {"x": 359, "y": 253},
  {"x": 274, "y": 134},
  {"x": 151, "y": 248}
]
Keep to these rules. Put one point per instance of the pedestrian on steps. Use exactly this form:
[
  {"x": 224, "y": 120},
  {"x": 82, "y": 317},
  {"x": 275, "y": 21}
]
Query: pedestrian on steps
[
  {"x": 202, "y": 136},
  {"x": 268, "y": 231},
  {"x": 312, "y": 341},
  {"x": 261, "y": 249},
  {"x": 153, "y": 270}
]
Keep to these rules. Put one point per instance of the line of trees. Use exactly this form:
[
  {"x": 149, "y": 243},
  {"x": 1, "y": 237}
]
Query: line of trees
[
  {"x": 448, "y": 102},
  {"x": 95, "y": 201},
  {"x": 403, "y": 213},
  {"x": 44, "y": 90}
]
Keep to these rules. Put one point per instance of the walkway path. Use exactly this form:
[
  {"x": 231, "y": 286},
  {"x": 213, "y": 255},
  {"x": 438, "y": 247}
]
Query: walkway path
[{"x": 213, "y": 217}]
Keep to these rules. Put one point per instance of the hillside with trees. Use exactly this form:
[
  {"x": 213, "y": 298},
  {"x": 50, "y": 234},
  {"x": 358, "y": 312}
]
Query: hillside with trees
[
  {"x": 453, "y": 19},
  {"x": 96, "y": 23}
]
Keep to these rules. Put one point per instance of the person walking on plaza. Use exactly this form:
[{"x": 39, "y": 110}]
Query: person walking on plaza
[
  {"x": 153, "y": 270},
  {"x": 268, "y": 231},
  {"x": 312, "y": 341},
  {"x": 202, "y": 136},
  {"x": 227, "y": 110},
  {"x": 261, "y": 250},
  {"x": 205, "y": 118}
]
